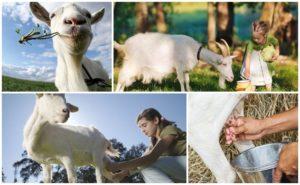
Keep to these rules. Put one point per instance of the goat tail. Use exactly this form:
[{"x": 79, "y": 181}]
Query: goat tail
[
  {"x": 119, "y": 47},
  {"x": 111, "y": 151}
]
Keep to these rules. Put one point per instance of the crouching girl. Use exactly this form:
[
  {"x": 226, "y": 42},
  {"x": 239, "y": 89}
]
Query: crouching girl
[{"x": 165, "y": 159}]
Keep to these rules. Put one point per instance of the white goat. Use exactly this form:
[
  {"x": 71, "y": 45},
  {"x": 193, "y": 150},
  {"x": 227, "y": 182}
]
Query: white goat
[
  {"x": 207, "y": 115},
  {"x": 48, "y": 140},
  {"x": 73, "y": 24},
  {"x": 153, "y": 56}
]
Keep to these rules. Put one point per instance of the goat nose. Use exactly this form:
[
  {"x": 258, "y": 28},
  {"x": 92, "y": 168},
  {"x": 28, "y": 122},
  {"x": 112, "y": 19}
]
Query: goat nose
[{"x": 75, "y": 21}]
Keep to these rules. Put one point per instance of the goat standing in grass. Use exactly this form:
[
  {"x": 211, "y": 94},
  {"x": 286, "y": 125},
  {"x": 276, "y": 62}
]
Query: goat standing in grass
[
  {"x": 48, "y": 140},
  {"x": 73, "y": 24},
  {"x": 153, "y": 56}
]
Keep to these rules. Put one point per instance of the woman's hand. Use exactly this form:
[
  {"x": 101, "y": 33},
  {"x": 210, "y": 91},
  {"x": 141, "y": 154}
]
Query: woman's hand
[
  {"x": 288, "y": 162},
  {"x": 243, "y": 128}
]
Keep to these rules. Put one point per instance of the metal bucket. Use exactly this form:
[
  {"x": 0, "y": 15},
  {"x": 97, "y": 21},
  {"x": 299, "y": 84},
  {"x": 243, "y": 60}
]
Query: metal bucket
[{"x": 257, "y": 164}]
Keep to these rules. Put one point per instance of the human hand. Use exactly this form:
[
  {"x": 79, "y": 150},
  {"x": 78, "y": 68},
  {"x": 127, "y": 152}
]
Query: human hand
[
  {"x": 247, "y": 74},
  {"x": 275, "y": 57},
  {"x": 288, "y": 162},
  {"x": 243, "y": 128}
]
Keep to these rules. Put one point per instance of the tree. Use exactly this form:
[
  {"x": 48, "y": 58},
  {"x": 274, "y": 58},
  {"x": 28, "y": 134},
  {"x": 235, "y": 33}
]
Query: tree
[
  {"x": 28, "y": 168},
  {"x": 161, "y": 25},
  {"x": 211, "y": 27},
  {"x": 282, "y": 25},
  {"x": 225, "y": 21},
  {"x": 141, "y": 13},
  {"x": 3, "y": 176}
]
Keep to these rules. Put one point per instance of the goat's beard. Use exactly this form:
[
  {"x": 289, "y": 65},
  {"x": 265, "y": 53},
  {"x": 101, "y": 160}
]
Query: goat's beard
[{"x": 76, "y": 45}]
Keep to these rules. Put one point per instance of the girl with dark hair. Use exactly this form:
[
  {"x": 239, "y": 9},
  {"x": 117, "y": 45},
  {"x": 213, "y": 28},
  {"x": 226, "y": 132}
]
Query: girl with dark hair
[
  {"x": 261, "y": 49},
  {"x": 165, "y": 159}
]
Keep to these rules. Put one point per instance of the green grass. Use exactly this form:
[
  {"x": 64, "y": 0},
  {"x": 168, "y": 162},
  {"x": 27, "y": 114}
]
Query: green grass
[
  {"x": 206, "y": 79},
  {"x": 14, "y": 84}
]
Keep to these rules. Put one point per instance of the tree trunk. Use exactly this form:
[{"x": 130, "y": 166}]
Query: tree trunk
[
  {"x": 141, "y": 12},
  {"x": 268, "y": 12},
  {"x": 160, "y": 18},
  {"x": 283, "y": 26},
  {"x": 225, "y": 21},
  {"x": 211, "y": 27}
]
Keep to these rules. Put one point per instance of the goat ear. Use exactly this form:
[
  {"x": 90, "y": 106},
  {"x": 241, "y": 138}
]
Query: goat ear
[
  {"x": 97, "y": 16},
  {"x": 38, "y": 95},
  {"x": 233, "y": 56},
  {"x": 40, "y": 12},
  {"x": 72, "y": 108}
]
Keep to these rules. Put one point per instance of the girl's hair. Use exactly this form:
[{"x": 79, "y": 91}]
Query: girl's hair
[
  {"x": 150, "y": 114},
  {"x": 260, "y": 27}
]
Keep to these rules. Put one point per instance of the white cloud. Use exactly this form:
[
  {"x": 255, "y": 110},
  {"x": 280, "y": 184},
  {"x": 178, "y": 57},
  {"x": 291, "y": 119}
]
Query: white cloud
[
  {"x": 49, "y": 54},
  {"x": 29, "y": 55},
  {"x": 17, "y": 11},
  {"x": 30, "y": 72}
]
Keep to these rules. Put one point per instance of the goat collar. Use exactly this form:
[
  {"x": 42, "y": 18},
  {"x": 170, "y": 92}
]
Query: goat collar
[
  {"x": 199, "y": 51},
  {"x": 91, "y": 81}
]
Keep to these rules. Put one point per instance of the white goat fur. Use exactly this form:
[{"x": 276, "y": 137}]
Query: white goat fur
[
  {"x": 71, "y": 44},
  {"x": 207, "y": 115},
  {"x": 48, "y": 140},
  {"x": 153, "y": 56}
]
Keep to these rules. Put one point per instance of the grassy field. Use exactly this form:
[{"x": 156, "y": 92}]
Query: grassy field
[
  {"x": 285, "y": 78},
  {"x": 14, "y": 84}
]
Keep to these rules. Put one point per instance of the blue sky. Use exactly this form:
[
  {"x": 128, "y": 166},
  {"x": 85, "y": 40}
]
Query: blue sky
[
  {"x": 112, "y": 114},
  {"x": 38, "y": 61}
]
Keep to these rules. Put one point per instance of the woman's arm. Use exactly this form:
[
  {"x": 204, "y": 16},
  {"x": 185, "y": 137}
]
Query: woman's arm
[
  {"x": 161, "y": 146},
  {"x": 281, "y": 122},
  {"x": 245, "y": 128}
]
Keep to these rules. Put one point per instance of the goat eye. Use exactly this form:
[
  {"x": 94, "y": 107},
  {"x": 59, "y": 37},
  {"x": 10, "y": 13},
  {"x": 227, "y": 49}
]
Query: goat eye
[
  {"x": 89, "y": 15},
  {"x": 52, "y": 15}
]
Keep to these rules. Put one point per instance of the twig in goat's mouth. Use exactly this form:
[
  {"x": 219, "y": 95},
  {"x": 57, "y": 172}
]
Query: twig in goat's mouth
[{"x": 35, "y": 34}]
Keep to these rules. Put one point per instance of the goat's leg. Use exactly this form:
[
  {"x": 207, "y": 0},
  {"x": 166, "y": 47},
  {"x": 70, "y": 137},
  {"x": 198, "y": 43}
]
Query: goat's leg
[
  {"x": 70, "y": 168},
  {"x": 180, "y": 77},
  {"x": 47, "y": 171},
  {"x": 187, "y": 81},
  {"x": 98, "y": 173},
  {"x": 211, "y": 153},
  {"x": 222, "y": 83}
]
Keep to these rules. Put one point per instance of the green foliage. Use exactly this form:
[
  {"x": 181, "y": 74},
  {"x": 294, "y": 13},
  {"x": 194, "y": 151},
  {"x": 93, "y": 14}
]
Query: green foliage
[
  {"x": 285, "y": 78},
  {"x": 14, "y": 84}
]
